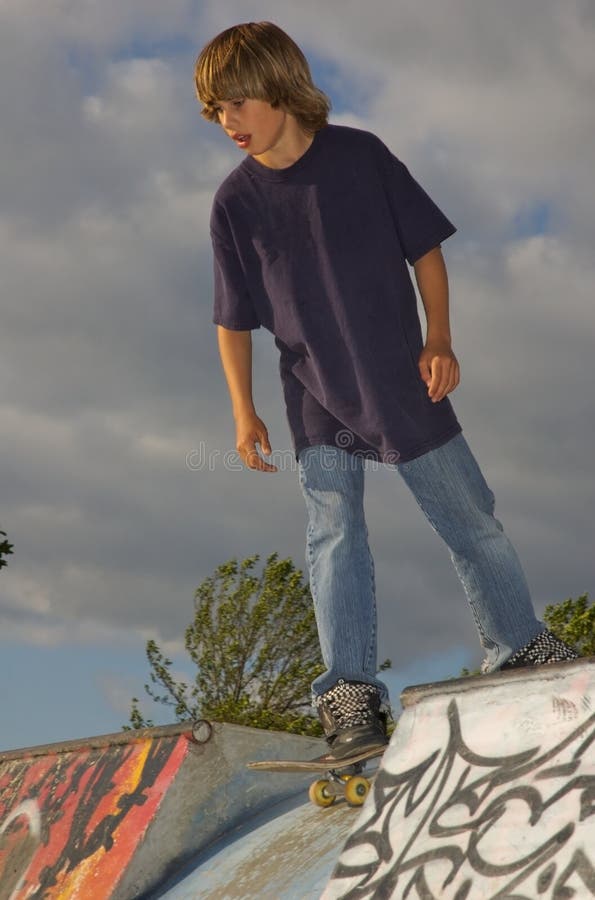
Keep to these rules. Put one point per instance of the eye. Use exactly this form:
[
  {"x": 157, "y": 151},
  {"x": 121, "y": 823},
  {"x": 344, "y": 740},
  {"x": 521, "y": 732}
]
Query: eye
[{"x": 237, "y": 103}]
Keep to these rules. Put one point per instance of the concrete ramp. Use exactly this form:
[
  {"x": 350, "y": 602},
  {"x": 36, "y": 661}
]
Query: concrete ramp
[
  {"x": 486, "y": 791},
  {"x": 116, "y": 816},
  {"x": 286, "y": 853}
]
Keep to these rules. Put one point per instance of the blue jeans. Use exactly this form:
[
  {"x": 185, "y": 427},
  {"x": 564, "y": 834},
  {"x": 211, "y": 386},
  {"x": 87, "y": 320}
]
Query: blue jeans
[{"x": 450, "y": 489}]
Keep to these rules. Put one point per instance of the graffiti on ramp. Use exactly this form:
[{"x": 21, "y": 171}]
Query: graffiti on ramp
[{"x": 70, "y": 822}]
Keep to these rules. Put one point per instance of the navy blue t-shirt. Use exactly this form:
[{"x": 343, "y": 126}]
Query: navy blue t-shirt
[{"x": 317, "y": 253}]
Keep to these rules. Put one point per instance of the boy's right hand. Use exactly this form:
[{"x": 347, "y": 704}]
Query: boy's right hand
[{"x": 249, "y": 432}]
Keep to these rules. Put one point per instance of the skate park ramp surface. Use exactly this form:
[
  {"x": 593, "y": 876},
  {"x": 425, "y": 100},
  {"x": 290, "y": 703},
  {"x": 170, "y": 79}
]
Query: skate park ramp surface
[
  {"x": 487, "y": 790},
  {"x": 119, "y": 815},
  {"x": 286, "y": 853}
]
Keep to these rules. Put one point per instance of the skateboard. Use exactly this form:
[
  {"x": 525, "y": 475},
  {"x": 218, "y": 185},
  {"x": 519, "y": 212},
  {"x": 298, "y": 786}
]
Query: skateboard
[{"x": 342, "y": 777}]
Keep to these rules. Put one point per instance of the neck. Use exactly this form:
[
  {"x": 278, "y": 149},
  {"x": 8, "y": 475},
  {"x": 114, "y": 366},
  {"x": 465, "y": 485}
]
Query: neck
[{"x": 291, "y": 147}]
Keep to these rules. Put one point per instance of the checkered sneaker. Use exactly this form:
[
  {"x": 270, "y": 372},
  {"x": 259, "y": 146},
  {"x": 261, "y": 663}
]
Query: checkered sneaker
[
  {"x": 352, "y": 703},
  {"x": 545, "y": 648}
]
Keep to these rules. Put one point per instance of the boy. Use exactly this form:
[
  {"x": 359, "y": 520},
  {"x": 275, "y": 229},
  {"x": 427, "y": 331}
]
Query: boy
[{"x": 311, "y": 235}]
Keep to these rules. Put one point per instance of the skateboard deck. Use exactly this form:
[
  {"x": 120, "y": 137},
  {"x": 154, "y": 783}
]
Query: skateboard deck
[
  {"x": 342, "y": 777},
  {"x": 324, "y": 763}
]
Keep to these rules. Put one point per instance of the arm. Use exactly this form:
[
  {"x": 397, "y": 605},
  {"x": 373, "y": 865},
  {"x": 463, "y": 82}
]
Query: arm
[
  {"x": 438, "y": 366},
  {"x": 235, "y": 349}
]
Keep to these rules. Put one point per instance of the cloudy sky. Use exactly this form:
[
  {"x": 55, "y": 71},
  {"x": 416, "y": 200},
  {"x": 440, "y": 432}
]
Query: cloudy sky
[{"x": 114, "y": 415}]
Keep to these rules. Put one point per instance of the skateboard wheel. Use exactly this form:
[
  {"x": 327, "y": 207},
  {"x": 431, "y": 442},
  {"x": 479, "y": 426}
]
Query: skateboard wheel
[
  {"x": 356, "y": 790},
  {"x": 319, "y": 794}
]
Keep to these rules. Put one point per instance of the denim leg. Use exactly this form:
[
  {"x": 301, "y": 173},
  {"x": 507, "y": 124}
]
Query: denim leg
[
  {"x": 450, "y": 489},
  {"x": 340, "y": 565}
]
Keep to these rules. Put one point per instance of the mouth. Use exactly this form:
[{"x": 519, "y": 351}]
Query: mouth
[{"x": 242, "y": 140}]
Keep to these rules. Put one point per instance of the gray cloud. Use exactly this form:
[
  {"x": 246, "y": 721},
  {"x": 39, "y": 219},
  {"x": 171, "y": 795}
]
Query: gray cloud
[{"x": 108, "y": 359}]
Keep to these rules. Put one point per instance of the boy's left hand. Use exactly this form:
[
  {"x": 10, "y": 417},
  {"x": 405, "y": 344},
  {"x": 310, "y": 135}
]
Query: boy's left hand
[{"x": 439, "y": 369}]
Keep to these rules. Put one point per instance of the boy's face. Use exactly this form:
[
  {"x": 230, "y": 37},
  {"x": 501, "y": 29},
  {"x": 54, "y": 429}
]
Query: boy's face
[{"x": 253, "y": 125}]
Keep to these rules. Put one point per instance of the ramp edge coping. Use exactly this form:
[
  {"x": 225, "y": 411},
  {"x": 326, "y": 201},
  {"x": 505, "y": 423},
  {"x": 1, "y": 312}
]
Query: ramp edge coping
[{"x": 549, "y": 672}]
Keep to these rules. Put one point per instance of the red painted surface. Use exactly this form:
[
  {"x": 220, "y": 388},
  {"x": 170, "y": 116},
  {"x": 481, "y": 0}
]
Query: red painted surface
[{"x": 70, "y": 822}]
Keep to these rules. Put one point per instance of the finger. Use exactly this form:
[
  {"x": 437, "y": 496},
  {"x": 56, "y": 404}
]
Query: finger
[
  {"x": 455, "y": 377},
  {"x": 445, "y": 379},
  {"x": 264, "y": 466},
  {"x": 437, "y": 379},
  {"x": 265, "y": 446},
  {"x": 267, "y": 467},
  {"x": 425, "y": 371},
  {"x": 263, "y": 440},
  {"x": 248, "y": 453},
  {"x": 451, "y": 382},
  {"x": 254, "y": 460}
]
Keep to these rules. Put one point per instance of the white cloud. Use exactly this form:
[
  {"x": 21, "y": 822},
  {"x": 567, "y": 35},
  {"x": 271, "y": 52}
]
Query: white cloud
[
  {"x": 100, "y": 26},
  {"x": 108, "y": 355},
  {"x": 133, "y": 90}
]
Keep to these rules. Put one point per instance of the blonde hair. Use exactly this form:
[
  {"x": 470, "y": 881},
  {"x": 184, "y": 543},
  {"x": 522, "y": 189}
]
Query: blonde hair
[{"x": 257, "y": 60}]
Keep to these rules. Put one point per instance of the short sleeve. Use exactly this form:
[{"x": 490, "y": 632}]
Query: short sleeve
[
  {"x": 232, "y": 306},
  {"x": 421, "y": 225}
]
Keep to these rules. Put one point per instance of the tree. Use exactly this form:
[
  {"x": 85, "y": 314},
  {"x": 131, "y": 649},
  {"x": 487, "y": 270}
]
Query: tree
[
  {"x": 255, "y": 645},
  {"x": 5, "y": 549},
  {"x": 573, "y": 621}
]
